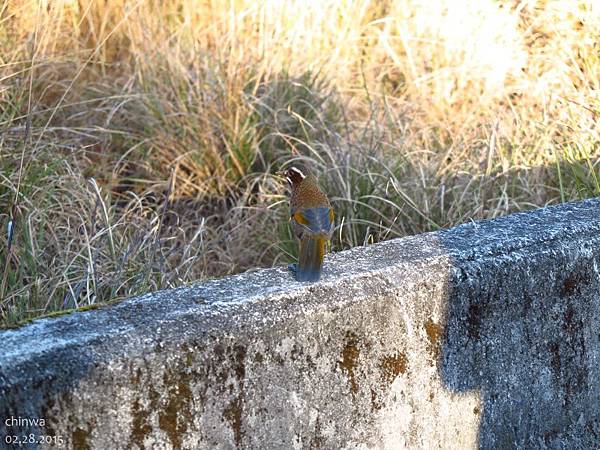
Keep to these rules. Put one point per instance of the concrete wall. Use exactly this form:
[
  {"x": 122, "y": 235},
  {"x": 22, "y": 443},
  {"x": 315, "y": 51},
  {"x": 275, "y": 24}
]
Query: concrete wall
[{"x": 486, "y": 335}]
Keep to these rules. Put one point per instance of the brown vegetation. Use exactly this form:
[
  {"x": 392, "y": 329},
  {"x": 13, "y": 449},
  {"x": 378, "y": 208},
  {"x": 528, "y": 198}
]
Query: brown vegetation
[{"x": 139, "y": 138}]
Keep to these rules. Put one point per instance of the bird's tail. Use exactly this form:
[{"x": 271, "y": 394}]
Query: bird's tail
[{"x": 312, "y": 251}]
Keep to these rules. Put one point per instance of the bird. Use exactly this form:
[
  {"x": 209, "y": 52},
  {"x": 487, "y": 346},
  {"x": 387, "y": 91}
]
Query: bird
[{"x": 312, "y": 220}]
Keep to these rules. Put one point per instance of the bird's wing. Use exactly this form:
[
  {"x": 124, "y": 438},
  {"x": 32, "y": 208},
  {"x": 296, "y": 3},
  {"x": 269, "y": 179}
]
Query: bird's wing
[{"x": 314, "y": 220}]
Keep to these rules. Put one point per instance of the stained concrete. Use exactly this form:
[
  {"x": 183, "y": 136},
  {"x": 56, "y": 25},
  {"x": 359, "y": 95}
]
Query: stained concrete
[{"x": 486, "y": 335}]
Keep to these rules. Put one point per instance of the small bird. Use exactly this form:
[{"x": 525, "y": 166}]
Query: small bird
[{"x": 311, "y": 216}]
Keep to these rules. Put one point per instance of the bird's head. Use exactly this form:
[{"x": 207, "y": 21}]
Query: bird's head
[{"x": 294, "y": 175}]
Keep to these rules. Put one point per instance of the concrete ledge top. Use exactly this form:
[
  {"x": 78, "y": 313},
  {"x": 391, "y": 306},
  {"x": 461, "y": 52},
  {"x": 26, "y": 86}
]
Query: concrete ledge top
[{"x": 260, "y": 297}]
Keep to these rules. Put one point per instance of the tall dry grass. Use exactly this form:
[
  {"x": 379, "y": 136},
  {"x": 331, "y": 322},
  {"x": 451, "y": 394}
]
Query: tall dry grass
[{"x": 139, "y": 138}]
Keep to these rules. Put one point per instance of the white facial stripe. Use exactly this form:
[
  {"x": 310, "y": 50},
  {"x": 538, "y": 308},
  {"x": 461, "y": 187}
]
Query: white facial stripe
[{"x": 298, "y": 171}]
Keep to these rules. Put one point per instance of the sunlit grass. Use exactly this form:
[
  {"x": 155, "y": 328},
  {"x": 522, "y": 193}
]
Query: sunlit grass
[{"x": 149, "y": 131}]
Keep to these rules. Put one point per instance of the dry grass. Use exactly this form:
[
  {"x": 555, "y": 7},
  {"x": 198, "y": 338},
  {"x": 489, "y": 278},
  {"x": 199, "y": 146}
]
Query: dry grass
[{"x": 139, "y": 138}]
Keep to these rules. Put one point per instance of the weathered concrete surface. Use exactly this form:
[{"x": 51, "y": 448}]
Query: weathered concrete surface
[{"x": 485, "y": 335}]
